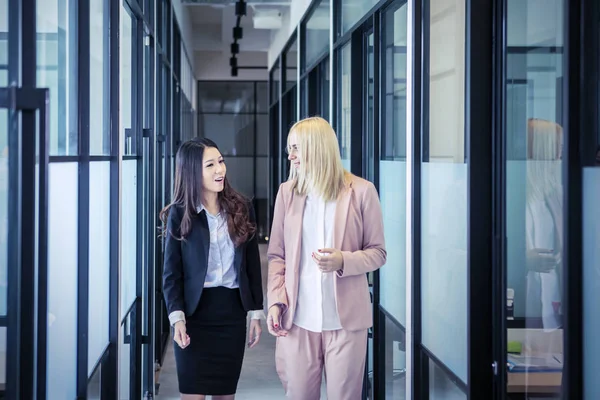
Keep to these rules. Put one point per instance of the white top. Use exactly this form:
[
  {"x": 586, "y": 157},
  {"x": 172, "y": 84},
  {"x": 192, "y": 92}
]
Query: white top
[
  {"x": 316, "y": 308},
  {"x": 221, "y": 258}
]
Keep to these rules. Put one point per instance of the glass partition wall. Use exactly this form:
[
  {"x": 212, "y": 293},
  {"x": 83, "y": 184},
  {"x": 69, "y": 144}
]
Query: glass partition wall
[
  {"x": 83, "y": 267},
  {"x": 485, "y": 154}
]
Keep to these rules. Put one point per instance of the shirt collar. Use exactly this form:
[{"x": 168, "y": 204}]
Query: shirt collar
[{"x": 201, "y": 208}]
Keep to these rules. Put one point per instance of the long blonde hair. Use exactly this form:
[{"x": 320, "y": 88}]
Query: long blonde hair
[
  {"x": 321, "y": 170},
  {"x": 544, "y": 151}
]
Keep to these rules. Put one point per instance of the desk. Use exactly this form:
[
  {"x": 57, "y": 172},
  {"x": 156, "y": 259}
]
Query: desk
[{"x": 537, "y": 383}]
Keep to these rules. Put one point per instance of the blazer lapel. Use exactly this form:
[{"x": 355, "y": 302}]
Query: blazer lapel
[
  {"x": 341, "y": 216},
  {"x": 237, "y": 261}
]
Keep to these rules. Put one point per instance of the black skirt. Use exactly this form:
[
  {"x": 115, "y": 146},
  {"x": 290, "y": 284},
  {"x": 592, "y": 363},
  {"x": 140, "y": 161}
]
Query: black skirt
[{"x": 212, "y": 362}]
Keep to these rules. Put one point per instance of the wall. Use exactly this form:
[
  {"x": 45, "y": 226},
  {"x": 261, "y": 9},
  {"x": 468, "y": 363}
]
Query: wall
[
  {"x": 291, "y": 20},
  {"x": 214, "y": 65},
  {"x": 186, "y": 29}
]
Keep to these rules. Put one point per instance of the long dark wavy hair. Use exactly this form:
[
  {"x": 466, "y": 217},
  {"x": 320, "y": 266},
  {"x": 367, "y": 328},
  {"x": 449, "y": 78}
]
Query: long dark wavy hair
[{"x": 187, "y": 194}]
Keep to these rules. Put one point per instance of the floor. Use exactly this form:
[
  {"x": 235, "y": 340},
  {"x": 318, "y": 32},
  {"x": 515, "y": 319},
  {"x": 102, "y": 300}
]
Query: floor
[{"x": 259, "y": 380}]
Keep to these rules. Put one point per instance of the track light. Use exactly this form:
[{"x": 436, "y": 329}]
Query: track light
[
  {"x": 235, "y": 48},
  {"x": 238, "y": 32},
  {"x": 234, "y": 71},
  {"x": 240, "y": 8},
  {"x": 233, "y": 62}
]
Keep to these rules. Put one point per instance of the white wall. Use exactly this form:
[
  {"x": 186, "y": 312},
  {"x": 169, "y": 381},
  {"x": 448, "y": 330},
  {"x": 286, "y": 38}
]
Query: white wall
[
  {"x": 214, "y": 65},
  {"x": 291, "y": 20},
  {"x": 185, "y": 26}
]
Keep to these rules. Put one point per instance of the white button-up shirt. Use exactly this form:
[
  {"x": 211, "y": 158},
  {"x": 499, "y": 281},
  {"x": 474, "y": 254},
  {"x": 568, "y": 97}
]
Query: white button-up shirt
[
  {"x": 221, "y": 259},
  {"x": 316, "y": 308}
]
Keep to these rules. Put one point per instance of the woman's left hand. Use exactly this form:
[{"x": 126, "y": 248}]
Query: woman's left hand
[
  {"x": 330, "y": 261},
  {"x": 254, "y": 333}
]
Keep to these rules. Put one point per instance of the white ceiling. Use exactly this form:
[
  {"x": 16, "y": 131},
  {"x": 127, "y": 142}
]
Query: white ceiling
[{"x": 212, "y": 25}]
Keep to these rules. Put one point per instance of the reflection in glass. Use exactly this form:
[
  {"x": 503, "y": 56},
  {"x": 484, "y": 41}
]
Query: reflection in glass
[
  {"x": 99, "y": 79},
  {"x": 534, "y": 195},
  {"x": 441, "y": 386},
  {"x": 591, "y": 274},
  {"x": 392, "y": 191},
  {"x": 57, "y": 70},
  {"x": 318, "y": 27},
  {"x": 392, "y": 170},
  {"x": 444, "y": 191},
  {"x": 344, "y": 105},
  {"x": 291, "y": 64},
  {"x": 353, "y": 11},
  {"x": 275, "y": 87},
  {"x": 125, "y": 73}
]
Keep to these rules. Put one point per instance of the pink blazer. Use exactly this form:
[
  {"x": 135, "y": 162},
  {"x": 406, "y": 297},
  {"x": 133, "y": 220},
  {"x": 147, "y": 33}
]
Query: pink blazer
[{"x": 358, "y": 234}]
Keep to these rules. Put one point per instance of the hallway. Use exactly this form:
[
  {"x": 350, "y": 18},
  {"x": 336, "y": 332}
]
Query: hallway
[{"x": 259, "y": 380}]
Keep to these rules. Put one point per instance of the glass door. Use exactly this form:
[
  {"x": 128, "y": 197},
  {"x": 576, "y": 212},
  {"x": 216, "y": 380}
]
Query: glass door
[{"x": 534, "y": 194}]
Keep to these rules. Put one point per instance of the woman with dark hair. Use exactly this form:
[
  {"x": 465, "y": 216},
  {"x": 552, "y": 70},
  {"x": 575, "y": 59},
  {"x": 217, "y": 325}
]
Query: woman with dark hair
[{"x": 212, "y": 276}]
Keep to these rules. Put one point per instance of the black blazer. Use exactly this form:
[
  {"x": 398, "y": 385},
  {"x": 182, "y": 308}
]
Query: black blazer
[{"x": 186, "y": 264}]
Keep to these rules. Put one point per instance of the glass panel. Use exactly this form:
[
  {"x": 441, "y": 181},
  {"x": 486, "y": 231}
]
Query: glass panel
[
  {"x": 291, "y": 64},
  {"x": 318, "y": 27},
  {"x": 392, "y": 166},
  {"x": 534, "y": 195},
  {"x": 591, "y": 265},
  {"x": 127, "y": 83},
  {"x": 2, "y": 357},
  {"x": 262, "y": 135},
  {"x": 62, "y": 279},
  {"x": 226, "y": 97},
  {"x": 395, "y": 361},
  {"x": 353, "y": 11},
  {"x": 262, "y": 97},
  {"x": 128, "y": 233},
  {"x": 94, "y": 388},
  {"x": 99, "y": 79},
  {"x": 324, "y": 75},
  {"x": 441, "y": 386},
  {"x": 57, "y": 70},
  {"x": 234, "y": 134},
  {"x": 344, "y": 105},
  {"x": 4, "y": 176},
  {"x": 275, "y": 78},
  {"x": 240, "y": 173},
  {"x": 99, "y": 259},
  {"x": 125, "y": 359},
  {"x": 444, "y": 191},
  {"x": 591, "y": 275}
]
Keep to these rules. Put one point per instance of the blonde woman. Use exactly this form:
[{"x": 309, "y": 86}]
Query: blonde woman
[
  {"x": 544, "y": 221},
  {"x": 327, "y": 234}
]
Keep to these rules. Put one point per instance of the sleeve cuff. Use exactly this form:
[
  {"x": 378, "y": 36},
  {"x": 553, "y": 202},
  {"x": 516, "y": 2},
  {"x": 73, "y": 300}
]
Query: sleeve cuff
[
  {"x": 175, "y": 317},
  {"x": 257, "y": 314}
]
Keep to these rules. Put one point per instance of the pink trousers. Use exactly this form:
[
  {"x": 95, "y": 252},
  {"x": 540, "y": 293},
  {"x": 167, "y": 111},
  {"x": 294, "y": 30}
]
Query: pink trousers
[{"x": 301, "y": 356}]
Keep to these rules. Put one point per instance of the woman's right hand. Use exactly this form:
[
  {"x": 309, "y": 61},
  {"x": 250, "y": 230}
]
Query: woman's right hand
[
  {"x": 542, "y": 260},
  {"x": 180, "y": 335},
  {"x": 274, "y": 321}
]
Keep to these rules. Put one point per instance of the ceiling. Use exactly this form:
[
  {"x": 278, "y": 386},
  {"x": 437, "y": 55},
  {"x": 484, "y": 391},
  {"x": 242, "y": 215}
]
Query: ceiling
[{"x": 213, "y": 22}]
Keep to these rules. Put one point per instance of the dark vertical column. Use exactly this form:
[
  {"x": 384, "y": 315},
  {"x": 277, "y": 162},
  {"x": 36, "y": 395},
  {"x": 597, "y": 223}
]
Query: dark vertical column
[
  {"x": 28, "y": 131},
  {"x": 83, "y": 215},
  {"x": 479, "y": 133},
  {"x": 15, "y": 194},
  {"x": 358, "y": 54},
  {"x": 420, "y": 88}
]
